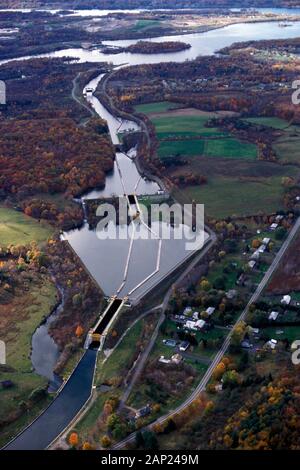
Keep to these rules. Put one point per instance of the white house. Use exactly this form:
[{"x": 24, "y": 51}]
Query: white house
[
  {"x": 286, "y": 300},
  {"x": 210, "y": 310},
  {"x": 273, "y": 315}
]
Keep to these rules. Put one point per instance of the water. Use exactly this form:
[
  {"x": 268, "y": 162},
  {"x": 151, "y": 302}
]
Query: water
[
  {"x": 106, "y": 259},
  {"x": 202, "y": 44},
  {"x": 44, "y": 350}
]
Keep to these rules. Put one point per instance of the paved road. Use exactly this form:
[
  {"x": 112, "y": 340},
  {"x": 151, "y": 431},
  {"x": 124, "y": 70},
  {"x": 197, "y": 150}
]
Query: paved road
[
  {"x": 206, "y": 378},
  {"x": 62, "y": 410}
]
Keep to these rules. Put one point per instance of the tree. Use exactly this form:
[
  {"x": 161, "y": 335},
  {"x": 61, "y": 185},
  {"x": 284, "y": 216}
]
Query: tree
[
  {"x": 73, "y": 439},
  {"x": 105, "y": 441},
  {"x": 219, "y": 371},
  {"x": 79, "y": 331},
  {"x": 87, "y": 446},
  {"x": 280, "y": 233},
  {"x": 150, "y": 440},
  {"x": 139, "y": 439}
]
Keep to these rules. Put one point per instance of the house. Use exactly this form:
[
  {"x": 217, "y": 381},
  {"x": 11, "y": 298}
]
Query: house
[
  {"x": 266, "y": 241},
  {"x": 163, "y": 360},
  {"x": 170, "y": 342},
  {"x": 273, "y": 315},
  {"x": 200, "y": 324},
  {"x": 252, "y": 264},
  {"x": 279, "y": 218},
  {"x": 176, "y": 359},
  {"x": 231, "y": 294},
  {"x": 286, "y": 300},
  {"x": 184, "y": 346},
  {"x": 187, "y": 311},
  {"x": 262, "y": 248},
  {"x": 245, "y": 344},
  {"x": 272, "y": 344},
  {"x": 273, "y": 227},
  {"x": 210, "y": 310},
  {"x": 145, "y": 411},
  {"x": 195, "y": 316},
  {"x": 190, "y": 325},
  {"x": 241, "y": 280},
  {"x": 255, "y": 256}
]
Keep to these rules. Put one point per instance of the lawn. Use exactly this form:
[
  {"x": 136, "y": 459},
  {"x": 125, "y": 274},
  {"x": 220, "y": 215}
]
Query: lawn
[
  {"x": 292, "y": 333},
  {"x": 274, "y": 122},
  {"x": 224, "y": 197},
  {"x": 18, "y": 229}
]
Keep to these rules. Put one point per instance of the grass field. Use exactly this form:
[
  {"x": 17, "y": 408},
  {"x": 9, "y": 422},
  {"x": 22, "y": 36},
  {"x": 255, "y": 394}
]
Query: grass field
[
  {"x": 288, "y": 149},
  {"x": 158, "y": 107},
  {"x": 184, "y": 126},
  {"x": 274, "y": 122},
  {"x": 121, "y": 357},
  {"x": 228, "y": 196},
  {"x": 18, "y": 229},
  {"x": 181, "y": 147},
  {"x": 230, "y": 148}
]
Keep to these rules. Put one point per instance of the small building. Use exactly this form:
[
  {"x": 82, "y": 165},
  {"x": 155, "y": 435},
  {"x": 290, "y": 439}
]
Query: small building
[
  {"x": 266, "y": 241},
  {"x": 170, "y": 342},
  {"x": 273, "y": 315},
  {"x": 190, "y": 325},
  {"x": 145, "y": 411},
  {"x": 184, "y": 346},
  {"x": 187, "y": 311},
  {"x": 241, "y": 280},
  {"x": 164, "y": 360},
  {"x": 176, "y": 359},
  {"x": 273, "y": 227},
  {"x": 195, "y": 316},
  {"x": 245, "y": 344},
  {"x": 210, "y": 311},
  {"x": 255, "y": 256},
  {"x": 231, "y": 294},
  {"x": 272, "y": 344},
  {"x": 262, "y": 248},
  {"x": 286, "y": 300},
  {"x": 200, "y": 324},
  {"x": 252, "y": 264}
]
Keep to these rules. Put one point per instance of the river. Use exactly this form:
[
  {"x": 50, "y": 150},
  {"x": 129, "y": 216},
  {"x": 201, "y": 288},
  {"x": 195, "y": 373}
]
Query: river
[{"x": 104, "y": 258}]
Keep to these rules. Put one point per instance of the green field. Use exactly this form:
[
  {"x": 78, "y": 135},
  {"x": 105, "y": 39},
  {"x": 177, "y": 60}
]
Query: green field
[
  {"x": 159, "y": 107},
  {"x": 18, "y": 229},
  {"x": 229, "y": 196},
  {"x": 288, "y": 149},
  {"x": 274, "y": 122},
  {"x": 181, "y": 147},
  {"x": 230, "y": 148},
  {"x": 184, "y": 126}
]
